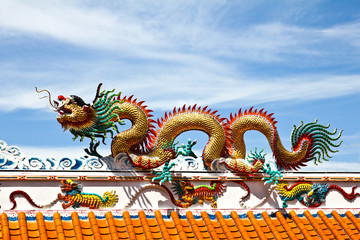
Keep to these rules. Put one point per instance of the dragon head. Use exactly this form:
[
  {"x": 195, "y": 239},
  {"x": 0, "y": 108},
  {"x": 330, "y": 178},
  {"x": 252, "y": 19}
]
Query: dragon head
[
  {"x": 68, "y": 186},
  {"x": 93, "y": 121},
  {"x": 316, "y": 195},
  {"x": 186, "y": 186},
  {"x": 74, "y": 113}
]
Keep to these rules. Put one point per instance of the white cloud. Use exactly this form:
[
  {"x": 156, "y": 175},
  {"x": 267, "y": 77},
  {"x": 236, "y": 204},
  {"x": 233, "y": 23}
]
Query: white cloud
[
  {"x": 69, "y": 22},
  {"x": 220, "y": 90},
  {"x": 200, "y": 87},
  {"x": 186, "y": 43},
  {"x": 171, "y": 53},
  {"x": 347, "y": 32},
  {"x": 350, "y": 145},
  {"x": 165, "y": 30},
  {"x": 346, "y": 160},
  {"x": 332, "y": 166}
]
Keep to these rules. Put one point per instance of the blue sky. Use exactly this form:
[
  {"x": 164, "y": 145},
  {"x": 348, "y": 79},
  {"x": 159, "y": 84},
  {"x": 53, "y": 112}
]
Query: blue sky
[{"x": 298, "y": 59}]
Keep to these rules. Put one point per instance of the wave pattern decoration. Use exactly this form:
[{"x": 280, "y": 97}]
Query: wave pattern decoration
[{"x": 12, "y": 158}]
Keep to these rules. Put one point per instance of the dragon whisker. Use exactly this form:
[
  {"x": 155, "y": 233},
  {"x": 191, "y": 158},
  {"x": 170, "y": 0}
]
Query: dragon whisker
[{"x": 45, "y": 90}]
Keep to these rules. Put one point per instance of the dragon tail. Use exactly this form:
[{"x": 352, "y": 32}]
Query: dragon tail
[
  {"x": 311, "y": 141},
  {"x": 262, "y": 201},
  {"x": 246, "y": 187},
  {"x": 109, "y": 199},
  {"x": 153, "y": 186},
  {"x": 349, "y": 196},
  {"x": 28, "y": 198},
  {"x": 172, "y": 198}
]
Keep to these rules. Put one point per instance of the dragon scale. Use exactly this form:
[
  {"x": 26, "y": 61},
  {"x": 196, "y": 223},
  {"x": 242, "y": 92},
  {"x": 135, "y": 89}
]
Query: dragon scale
[
  {"x": 124, "y": 140},
  {"x": 178, "y": 124},
  {"x": 218, "y": 145},
  {"x": 153, "y": 147},
  {"x": 314, "y": 193}
]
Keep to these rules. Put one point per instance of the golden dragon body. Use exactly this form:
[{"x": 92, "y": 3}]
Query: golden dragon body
[{"x": 154, "y": 146}]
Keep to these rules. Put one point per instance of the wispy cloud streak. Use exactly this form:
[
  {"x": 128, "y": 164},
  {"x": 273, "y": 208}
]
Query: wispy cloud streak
[
  {"x": 182, "y": 89},
  {"x": 217, "y": 53},
  {"x": 165, "y": 30}
]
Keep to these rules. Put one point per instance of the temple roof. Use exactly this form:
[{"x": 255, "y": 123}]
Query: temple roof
[{"x": 176, "y": 225}]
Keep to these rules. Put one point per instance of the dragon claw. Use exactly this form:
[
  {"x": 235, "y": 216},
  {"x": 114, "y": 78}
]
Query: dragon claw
[
  {"x": 186, "y": 150},
  {"x": 183, "y": 150},
  {"x": 92, "y": 150},
  {"x": 165, "y": 175},
  {"x": 274, "y": 175}
]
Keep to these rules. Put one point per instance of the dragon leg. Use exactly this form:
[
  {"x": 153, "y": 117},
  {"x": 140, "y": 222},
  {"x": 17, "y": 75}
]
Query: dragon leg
[
  {"x": 274, "y": 175},
  {"x": 61, "y": 197},
  {"x": 165, "y": 174},
  {"x": 69, "y": 204},
  {"x": 167, "y": 152},
  {"x": 213, "y": 201},
  {"x": 188, "y": 201}
]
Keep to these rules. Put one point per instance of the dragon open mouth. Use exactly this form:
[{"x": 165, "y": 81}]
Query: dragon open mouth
[{"x": 63, "y": 111}]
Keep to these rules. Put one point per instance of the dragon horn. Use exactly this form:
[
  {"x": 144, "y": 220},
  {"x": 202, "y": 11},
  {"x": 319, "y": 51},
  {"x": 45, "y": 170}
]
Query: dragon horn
[
  {"x": 44, "y": 90},
  {"x": 97, "y": 93}
]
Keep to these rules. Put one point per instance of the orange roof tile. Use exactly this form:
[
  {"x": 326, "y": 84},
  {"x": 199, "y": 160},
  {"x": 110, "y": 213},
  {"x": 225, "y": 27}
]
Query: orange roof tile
[{"x": 19, "y": 225}]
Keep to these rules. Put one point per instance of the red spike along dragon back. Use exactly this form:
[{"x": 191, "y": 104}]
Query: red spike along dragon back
[{"x": 151, "y": 146}]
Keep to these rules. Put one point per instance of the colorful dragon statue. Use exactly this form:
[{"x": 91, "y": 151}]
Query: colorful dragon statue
[
  {"x": 149, "y": 147},
  {"x": 74, "y": 197},
  {"x": 188, "y": 194},
  {"x": 315, "y": 193}
]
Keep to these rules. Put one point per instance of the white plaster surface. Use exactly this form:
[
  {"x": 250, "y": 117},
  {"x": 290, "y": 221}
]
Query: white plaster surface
[{"x": 45, "y": 191}]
